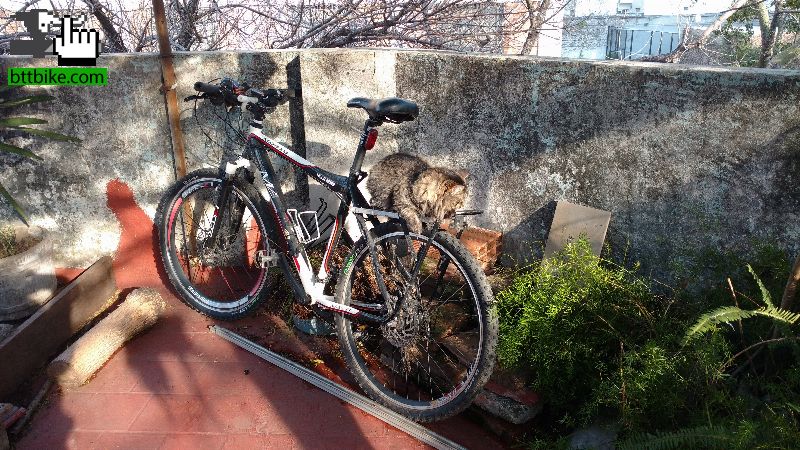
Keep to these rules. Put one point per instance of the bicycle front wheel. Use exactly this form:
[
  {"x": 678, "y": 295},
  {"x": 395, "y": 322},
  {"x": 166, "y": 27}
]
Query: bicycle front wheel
[
  {"x": 432, "y": 359},
  {"x": 224, "y": 277}
]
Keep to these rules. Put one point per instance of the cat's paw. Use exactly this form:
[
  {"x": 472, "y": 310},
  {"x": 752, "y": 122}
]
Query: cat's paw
[{"x": 414, "y": 224}]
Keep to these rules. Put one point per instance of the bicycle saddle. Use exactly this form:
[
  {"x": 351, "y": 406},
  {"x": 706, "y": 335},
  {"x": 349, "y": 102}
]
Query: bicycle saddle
[{"x": 392, "y": 109}]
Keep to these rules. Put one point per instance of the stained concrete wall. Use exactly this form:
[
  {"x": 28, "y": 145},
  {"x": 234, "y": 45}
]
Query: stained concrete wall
[
  {"x": 125, "y": 136},
  {"x": 684, "y": 157}
]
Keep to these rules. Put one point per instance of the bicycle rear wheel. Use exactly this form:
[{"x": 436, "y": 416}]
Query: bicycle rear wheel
[
  {"x": 226, "y": 277},
  {"x": 431, "y": 360}
]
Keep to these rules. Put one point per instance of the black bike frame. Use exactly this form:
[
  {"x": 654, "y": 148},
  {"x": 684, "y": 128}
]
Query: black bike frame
[{"x": 282, "y": 233}]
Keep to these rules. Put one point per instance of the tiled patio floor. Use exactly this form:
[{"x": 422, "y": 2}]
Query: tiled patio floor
[{"x": 180, "y": 386}]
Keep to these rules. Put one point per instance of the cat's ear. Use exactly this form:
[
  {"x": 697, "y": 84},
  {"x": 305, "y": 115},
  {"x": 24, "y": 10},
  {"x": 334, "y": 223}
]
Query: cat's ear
[{"x": 463, "y": 174}]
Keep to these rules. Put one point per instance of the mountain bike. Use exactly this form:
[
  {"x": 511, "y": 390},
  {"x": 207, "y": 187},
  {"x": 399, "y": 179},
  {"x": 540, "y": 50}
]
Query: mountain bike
[{"x": 413, "y": 311}]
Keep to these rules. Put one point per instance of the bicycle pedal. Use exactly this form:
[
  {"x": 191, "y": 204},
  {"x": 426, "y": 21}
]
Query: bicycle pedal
[{"x": 266, "y": 259}]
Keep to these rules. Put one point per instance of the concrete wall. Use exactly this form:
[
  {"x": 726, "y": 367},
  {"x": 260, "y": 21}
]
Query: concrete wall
[
  {"x": 684, "y": 157},
  {"x": 125, "y": 136}
]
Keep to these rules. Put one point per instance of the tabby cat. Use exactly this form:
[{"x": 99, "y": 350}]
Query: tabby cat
[{"x": 408, "y": 185}]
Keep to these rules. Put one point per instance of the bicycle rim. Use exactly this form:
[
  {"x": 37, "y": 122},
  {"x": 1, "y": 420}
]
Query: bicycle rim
[
  {"x": 224, "y": 277},
  {"x": 430, "y": 355}
]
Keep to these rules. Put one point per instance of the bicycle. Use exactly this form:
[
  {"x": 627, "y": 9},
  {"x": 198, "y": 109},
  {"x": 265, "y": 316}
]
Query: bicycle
[{"x": 413, "y": 312}]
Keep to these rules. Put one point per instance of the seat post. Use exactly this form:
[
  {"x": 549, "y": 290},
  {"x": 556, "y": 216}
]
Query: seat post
[{"x": 355, "y": 169}]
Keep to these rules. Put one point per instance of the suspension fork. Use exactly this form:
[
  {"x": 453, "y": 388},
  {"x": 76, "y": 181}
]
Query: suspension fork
[{"x": 222, "y": 202}]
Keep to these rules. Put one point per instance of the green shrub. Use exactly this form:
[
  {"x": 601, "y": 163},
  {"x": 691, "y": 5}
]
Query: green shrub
[
  {"x": 577, "y": 321},
  {"x": 601, "y": 345}
]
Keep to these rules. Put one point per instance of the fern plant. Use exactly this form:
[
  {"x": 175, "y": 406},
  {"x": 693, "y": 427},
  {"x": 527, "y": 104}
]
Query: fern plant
[
  {"x": 23, "y": 125},
  {"x": 695, "y": 437},
  {"x": 729, "y": 314}
]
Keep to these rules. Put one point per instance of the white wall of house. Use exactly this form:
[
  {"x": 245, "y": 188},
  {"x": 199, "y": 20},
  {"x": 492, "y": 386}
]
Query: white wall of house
[
  {"x": 648, "y": 7},
  {"x": 586, "y": 24},
  {"x": 595, "y": 7},
  {"x": 675, "y": 7},
  {"x": 551, "y": 35}
]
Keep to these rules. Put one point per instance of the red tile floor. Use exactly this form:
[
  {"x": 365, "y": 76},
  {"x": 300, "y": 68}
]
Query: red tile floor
[{"x": 180, "y": 386}]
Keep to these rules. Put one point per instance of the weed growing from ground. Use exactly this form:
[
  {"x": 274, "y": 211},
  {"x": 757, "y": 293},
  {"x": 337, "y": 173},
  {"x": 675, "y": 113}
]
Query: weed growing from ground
[{"x": 7, "y": 242}]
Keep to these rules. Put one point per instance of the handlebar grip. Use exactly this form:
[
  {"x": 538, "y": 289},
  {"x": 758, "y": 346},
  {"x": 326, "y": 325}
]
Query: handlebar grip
[{"x": 206, "y": 87}]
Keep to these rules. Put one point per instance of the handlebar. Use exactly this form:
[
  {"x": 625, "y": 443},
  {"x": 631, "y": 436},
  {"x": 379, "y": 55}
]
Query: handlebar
[
  {"x": 232, "y": 93},
  {"x": 206, "y": 88}
]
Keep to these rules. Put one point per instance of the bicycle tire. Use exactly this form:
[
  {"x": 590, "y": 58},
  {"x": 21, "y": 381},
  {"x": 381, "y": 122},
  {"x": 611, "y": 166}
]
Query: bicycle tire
[
  {"x": 359, "y": 343},
  {"x": 225, "y": 283}
]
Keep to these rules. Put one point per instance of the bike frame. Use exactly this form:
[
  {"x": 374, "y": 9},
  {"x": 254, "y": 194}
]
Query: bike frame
[{"x": 350, "y": 215}]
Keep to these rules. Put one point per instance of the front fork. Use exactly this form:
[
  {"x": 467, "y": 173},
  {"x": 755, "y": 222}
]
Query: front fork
[{"x": 227, "y": 213}]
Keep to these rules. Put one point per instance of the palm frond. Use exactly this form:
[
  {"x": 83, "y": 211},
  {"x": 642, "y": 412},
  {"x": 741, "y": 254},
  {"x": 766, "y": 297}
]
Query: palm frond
[
  {"x": 19, "y": 124},
  {"x": 18, "y": 150},
  {"x": 711, "y": 319},
  {"x": 765, "y": 295},
  {"x": 14, "y": 122},
  {"x": 48, "y": 134},
  {"x": 18, "y": 209},
  {"x": 25, "y": 100},
  {"x": 781, "y": 315},
  {"x": 728, "y": 314}
]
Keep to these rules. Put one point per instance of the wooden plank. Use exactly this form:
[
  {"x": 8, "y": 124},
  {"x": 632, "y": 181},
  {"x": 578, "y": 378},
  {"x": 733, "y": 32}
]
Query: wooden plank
[
  {"x": 40, "y": 337},
  {"x": 171, "y": 97}
]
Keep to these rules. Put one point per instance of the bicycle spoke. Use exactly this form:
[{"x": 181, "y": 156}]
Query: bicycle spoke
[
  {"x": 222, "y": 276},
  {"x": 419, "y": 345}
]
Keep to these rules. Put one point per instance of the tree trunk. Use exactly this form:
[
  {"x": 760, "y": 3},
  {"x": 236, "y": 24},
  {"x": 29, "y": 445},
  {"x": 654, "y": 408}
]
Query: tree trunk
[
  {"x": 536, "y": 17},
  {"x": 769, "y": 30},
  {"x": 790, "y": 290},
  {"x": 113, "y": 39}
]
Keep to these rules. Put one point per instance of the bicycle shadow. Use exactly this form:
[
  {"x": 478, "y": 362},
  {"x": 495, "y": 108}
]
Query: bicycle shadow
[{"x": 198, "y": 381}]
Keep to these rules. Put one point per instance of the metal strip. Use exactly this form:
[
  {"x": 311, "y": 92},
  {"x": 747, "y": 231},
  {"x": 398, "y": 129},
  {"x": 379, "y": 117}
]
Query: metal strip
[{"x": 359, "y": 401}]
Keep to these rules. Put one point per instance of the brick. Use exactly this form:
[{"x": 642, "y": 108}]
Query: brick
[
  {"x": 130, "y": 441},
  {"x": 117, "y": 376},
  {"x": 484, "y": 244},
  {"x": 168, "y": 377},
  {"x": 178, "y": 413},
  {"x": 92, "y": 411},
  {"x": 48, "y": 439},
  {"x": 179, "y": 346}
]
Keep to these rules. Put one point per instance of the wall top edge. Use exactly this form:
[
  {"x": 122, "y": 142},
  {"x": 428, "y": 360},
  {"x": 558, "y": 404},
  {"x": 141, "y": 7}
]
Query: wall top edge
[{"x": 667, "y": 67}]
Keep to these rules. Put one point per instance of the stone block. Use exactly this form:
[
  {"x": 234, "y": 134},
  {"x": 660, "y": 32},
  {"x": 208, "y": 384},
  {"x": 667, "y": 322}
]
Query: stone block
[{"x": 574, "y": 221}]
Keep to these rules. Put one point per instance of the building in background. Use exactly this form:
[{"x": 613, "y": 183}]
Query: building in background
[{"x": 632, "y": 29}]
